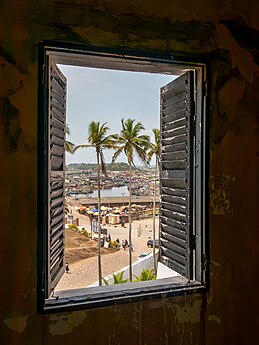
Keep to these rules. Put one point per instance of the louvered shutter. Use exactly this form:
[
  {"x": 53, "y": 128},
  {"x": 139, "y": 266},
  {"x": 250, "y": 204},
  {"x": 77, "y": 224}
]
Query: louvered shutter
[
  {"x": 57, "y": 123},
  {"x": 176, "y": 185}
]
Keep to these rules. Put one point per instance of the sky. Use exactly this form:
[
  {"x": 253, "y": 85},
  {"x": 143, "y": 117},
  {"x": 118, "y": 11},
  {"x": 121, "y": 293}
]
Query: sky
[{"x": 108, "y": 96}]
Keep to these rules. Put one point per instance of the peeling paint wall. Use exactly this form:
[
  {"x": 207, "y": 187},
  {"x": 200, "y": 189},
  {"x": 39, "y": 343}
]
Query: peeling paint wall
[{"x": 226, "y": 32}]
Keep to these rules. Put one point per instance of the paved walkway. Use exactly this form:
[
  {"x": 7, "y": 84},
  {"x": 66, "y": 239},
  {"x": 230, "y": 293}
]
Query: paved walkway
[{"x": 85, "y": 272}]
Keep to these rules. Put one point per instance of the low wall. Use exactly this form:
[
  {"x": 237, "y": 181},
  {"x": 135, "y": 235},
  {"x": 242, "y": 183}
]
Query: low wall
[{"x": 137, "y": 267}]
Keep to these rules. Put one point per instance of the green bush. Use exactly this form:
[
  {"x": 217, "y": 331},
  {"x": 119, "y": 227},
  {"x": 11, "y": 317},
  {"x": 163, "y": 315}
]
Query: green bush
[
  {"x": 145, "y": 274},
  {"x": 117, "y": 278},
  {"x": 73, "y": 227},
  {"x": 85, "y": 232}
]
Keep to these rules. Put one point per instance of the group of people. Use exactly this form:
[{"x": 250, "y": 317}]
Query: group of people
[{"x": 125, "y": 244}]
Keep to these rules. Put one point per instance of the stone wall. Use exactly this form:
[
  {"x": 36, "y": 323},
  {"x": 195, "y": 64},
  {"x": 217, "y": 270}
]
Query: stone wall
[{"x": 226, "y": 32}]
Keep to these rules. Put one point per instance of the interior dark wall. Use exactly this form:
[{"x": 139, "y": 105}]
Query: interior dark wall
[{"x": 226, "y": 32}]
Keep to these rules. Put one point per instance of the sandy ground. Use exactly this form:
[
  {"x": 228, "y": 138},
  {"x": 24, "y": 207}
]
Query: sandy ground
[
  {"x": 79, "y": 247},
  {"x": 84, "y": 272}
]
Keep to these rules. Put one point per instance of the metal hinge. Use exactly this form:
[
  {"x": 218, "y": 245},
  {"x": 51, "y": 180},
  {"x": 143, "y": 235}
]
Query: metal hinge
[
  {"x": 43, "y": 74},
  {"x": 205, "y": 88},
  {"x": 193, "y": 125},
  {"x": 204, "y": 262}
]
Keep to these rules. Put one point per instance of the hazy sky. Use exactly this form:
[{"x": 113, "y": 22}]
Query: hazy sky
[{"x": 108, "y": 96}]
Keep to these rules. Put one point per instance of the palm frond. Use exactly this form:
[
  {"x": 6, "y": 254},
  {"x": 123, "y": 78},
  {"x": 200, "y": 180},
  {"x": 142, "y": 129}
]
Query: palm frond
[
  {"x": 82, "y": 146},
  {"x": 69, "y": 146},
  {"x": 117, "y": 153}
]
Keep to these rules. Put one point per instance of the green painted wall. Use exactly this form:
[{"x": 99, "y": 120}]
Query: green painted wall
[{"x": 225, "y": 31}]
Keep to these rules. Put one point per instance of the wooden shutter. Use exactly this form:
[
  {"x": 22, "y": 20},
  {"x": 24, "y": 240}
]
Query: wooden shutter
[
  {"x": 57, "y": 123},
  {"x": 176, "y": 185}
]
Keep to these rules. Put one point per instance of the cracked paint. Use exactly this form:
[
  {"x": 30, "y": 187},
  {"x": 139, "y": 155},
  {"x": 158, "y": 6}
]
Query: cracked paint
[
  {"x": 240, "y": 57},
  {"x": 220, "y": 195},
  {"x": 61, "y": 324},
  {"x": 215, "y": 319},
  {"x": 16, "y": 321},
  {"x": 187, "y": 313}
]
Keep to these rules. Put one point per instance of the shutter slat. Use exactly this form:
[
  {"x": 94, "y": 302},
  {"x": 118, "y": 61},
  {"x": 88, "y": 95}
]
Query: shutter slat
[
  {"x": 175, "y": 164},
  {"x": 174, "y": 265},
  {"x": 172, "y": 92},
  {"x": 175, "y": 207},
  {"x": 56, "y": 74},
  {"x": 174, "y": 124},
  {"x": 168, "y": 242},
  {"x": 173, "y": 181},
  {"x": 171, "y": 115},
  {"x": 169, "y": 221},
  {"x": 173, "y": 192},
  {"x": 174, "y": 140},
  {"x": 174, "y": 147},
  {"x": 175, "y": 200},
  {"x": 56, "y": 229},
  {"x": 56, "y": 182},
  {"x": 57, "y": 124},
  {"x": 58, "y": 115},
  {"x": 56, "y": 202},
  {"x": 59, "y": 96},
  {"x": 175, "y": 175},
  {"x": 56, "y": 193},
  {"x": 173, "y": 155},
  {"x": 56, "y": 162},
  {"x": 173, "y": 133},
  {"x": 56, "y": 105},
  {"x": 178, "y": 98},
  {"x": 176, "y": 107},
  {"x": 181, "y": 243},
  {"x": 55, "y": 212},
  {"x": 168, "y": 218},
  {"x": 57, "y": 132},
  {"x": 177, "y": 233},
  {"x": 180, "y": 259},
  {"x": 59, "y": 251},
  {"x": 56, "y": 219},
  {"x": 57, "y": 88},
  {"x": 57, "y": 150},
  {"x": 57, "y": 141}
]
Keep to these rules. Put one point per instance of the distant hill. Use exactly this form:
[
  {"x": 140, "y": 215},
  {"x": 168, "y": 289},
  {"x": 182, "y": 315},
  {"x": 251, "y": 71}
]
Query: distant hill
[{"x": 91, "y": 166}]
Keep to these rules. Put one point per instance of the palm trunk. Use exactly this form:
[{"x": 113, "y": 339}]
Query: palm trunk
[
  {"x": 130, "y": 227},
  {"x": 154, "y": 224},
  {"x": 99, "y": 220}
]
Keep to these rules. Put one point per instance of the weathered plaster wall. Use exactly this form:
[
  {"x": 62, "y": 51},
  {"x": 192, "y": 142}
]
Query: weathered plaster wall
[{"x": 228, "y": 33}]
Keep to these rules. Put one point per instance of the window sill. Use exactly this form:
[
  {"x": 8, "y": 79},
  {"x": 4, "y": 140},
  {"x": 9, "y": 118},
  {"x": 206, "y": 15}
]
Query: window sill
[{"x": 96, "y": 297}]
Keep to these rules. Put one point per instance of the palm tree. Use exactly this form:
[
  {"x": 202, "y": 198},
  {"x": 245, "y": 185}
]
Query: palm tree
[
  {"x": 131, "y": 142},
  {"x": 97, "y": 138},
  {"x": 155, "y": 150}
]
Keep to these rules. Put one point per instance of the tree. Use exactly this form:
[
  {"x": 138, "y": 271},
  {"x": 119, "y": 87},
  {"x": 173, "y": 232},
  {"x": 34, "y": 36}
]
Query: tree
[
  {"x": 98, "y": 138},
  {"x": 155, "y": 151},
  {"x": 132, "y": 143}
]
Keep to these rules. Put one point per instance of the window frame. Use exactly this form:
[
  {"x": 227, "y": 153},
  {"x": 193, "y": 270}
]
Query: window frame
[{"x": 117, "y": 59}]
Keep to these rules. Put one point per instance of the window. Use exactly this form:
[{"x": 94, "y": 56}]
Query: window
[{"x": 183, "y": 179}]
